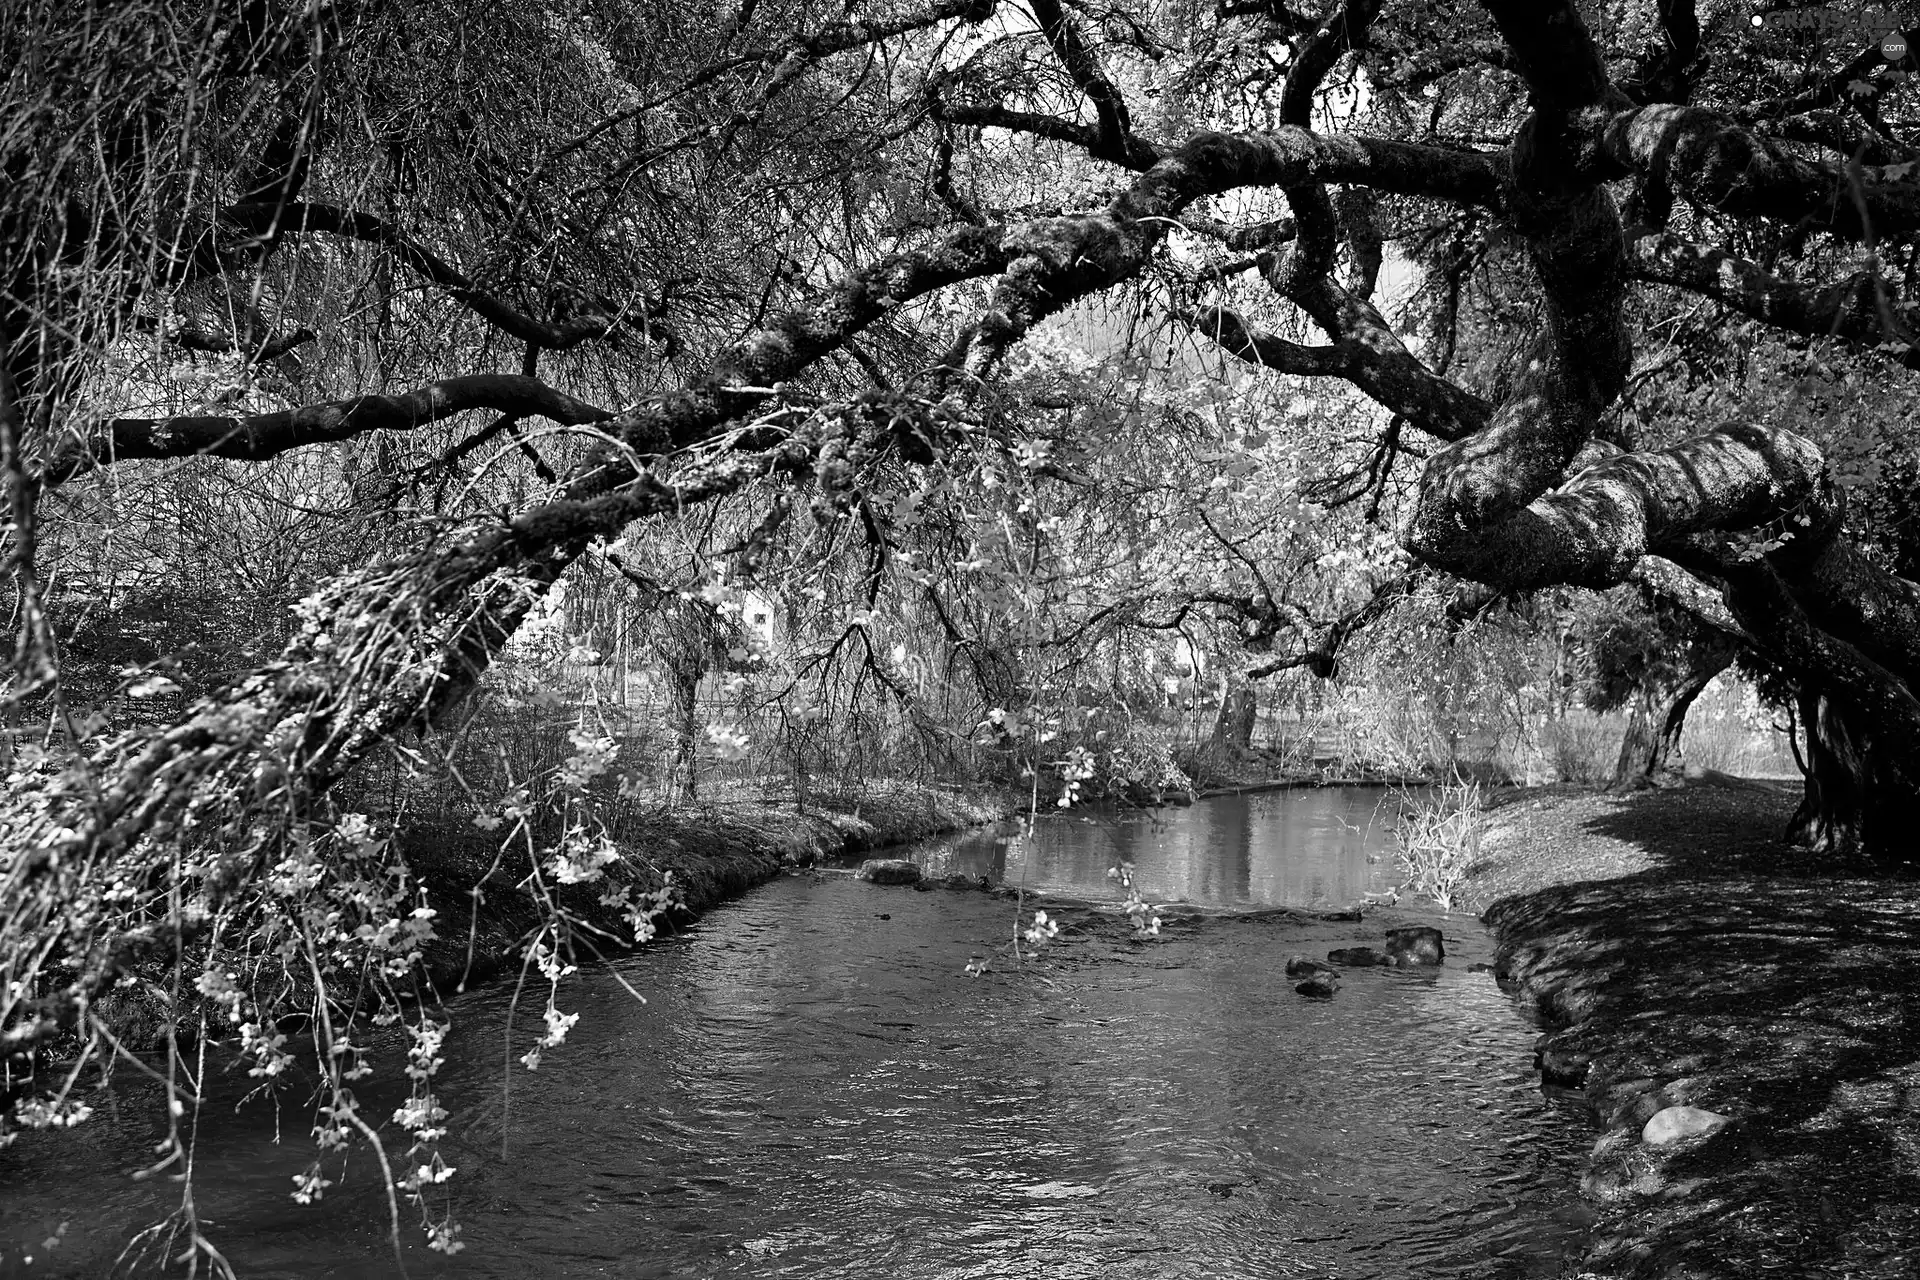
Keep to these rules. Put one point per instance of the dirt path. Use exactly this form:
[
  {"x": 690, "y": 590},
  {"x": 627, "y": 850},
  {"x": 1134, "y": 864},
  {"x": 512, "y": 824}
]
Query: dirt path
[{"x": 1691, "y": 958}]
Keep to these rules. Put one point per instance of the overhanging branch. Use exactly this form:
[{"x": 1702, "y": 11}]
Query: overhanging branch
[
  {"x": 271, "y": 222},
  {"x": 1847, "y": 310},
  {"x": 260, "y": 436}
]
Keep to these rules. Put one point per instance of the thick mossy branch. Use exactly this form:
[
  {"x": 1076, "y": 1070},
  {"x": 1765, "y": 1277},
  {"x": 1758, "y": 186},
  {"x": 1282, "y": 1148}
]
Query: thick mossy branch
[
  {"x": 1593, "y": 530},
  {"x": 1474, "y": 495},
  {"x": 1709, "y": 159},
  {"x": 1057, "y": 261}
]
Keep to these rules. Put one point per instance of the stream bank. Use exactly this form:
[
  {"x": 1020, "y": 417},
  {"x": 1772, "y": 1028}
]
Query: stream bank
[
  {"x": 715, "y": 849},
  {"x": 1684, "y": 955}
]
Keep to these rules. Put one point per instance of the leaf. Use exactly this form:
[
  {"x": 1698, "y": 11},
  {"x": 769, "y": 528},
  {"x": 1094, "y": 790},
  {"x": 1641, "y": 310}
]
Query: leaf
[{"x": 1860, "y": 88}]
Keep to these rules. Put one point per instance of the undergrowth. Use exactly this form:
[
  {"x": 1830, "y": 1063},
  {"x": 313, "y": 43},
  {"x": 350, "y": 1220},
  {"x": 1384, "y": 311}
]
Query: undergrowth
[{"x": 1438, "y": 837}]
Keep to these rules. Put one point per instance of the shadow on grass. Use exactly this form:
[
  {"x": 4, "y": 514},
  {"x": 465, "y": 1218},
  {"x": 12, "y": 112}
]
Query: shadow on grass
[{"x": 1757, "y": 981}]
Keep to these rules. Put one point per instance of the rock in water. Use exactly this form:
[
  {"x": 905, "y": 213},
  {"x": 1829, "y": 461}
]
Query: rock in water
[
  {"x": 1561, "y": 1068},
  {"x": 1358, "y": 956},
  {"x": 1415, "y": 944},
  {"x": 1301, "y": 967},
  {"x": 1320, "y": 986},
  {"x": 888, "y": 871},
  {"x": 1678, "y": 1123}
]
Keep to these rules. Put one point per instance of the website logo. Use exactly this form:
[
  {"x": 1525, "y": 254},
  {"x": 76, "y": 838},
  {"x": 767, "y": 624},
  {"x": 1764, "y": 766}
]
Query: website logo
[{"x": 1833, "y": 24}]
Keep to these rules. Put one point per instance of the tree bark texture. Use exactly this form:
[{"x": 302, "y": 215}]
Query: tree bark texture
[
  {"x": 1233, "y": 725},
  {"x": 1659, "y": 713}
]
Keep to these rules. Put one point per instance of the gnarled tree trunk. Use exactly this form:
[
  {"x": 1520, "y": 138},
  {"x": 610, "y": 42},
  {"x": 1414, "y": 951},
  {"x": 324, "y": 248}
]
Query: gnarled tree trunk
[
  {"x": 1855, "y": 800},
  {"x": 1659, "y": 714}
]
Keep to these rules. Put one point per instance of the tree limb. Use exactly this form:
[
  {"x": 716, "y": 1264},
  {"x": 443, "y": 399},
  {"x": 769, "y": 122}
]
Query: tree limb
[
  {"x": 272, "y": 222},
  {"x": 1580, "y": 362},
  {"x": 271, "y": 348},
  {"x": 1715, "y": 163},
  {"x": 1061, "y": 259},
  {"x": 1847, "y": 309},
  {"x": 1116, "y": 140},
  {"x": 268, "y": 435},
  {"x": 1086, "y": 137},
  {"x": 1381, "y": 367}
]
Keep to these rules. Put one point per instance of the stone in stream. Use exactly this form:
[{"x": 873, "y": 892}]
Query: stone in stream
[
  {"x": 1320, "y": 986},
  {"x": 1560, "y": 1068},
  {"x": 1302, "y": 967},
  {"x": 1415, "y": 945},
  {"x": 1361, "y": 956},
  {"x": 888, "y": 871},
  {"x": 1677, "y": 1123}
]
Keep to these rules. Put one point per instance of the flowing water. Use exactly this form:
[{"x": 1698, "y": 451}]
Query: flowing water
[{"x": 816, "y": 1087}]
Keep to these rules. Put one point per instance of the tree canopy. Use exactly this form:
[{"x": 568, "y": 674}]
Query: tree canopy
[{"x": 1049, "y": 324}]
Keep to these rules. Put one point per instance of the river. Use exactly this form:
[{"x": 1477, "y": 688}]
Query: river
[{"x": 816, "y": 1086}]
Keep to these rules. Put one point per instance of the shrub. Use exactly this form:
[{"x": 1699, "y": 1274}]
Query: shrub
[{"x": 1439, "y": 837}]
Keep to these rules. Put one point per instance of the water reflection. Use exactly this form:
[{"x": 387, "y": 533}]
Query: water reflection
[{"x": 1318, "y": 847}]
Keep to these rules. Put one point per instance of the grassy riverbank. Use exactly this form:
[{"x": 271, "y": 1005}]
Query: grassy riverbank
[
  {"x": 1675, "y": 945},
  {"x": 1227, "y": 773}
]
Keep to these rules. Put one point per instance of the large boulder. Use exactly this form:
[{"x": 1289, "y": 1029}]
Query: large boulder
[
  {"x": 888, "y": 871},
  {"x": 1359, "y": 956},
  {"x": 1415, "y": 945},
  {"x": 1675, "y": 1124},
  {"x": 1302, "y": 967}
]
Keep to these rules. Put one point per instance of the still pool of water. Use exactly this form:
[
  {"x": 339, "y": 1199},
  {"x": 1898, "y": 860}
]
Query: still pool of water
[
  {"x": 1318, "y": 848},
  {"x": 816, "y": 1087}
]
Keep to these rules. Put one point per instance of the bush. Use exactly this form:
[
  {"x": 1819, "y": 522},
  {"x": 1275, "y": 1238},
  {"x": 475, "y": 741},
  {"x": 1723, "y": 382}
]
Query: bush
[{"x": 1439, "y": 837}]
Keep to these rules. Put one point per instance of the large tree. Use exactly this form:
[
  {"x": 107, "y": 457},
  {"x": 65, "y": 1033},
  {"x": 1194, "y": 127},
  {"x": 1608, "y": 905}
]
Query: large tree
[{"x": 638, "y": 258}]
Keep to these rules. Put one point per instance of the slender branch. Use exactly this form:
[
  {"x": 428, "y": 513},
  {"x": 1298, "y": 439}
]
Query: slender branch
[
  {"x": 1322, "y": 654},
  {"x": 261, "y": 436},
  {"x": 219, "y": 343},
  {"x": 271, "y": 222},
  {"x": 1417, "y": 68},
  {"x": 1372, "y": 359},
  {"x": 1116, "y": 138},
  {"x": 1847, "y": 309},
  {"x": 1837, "y": 90},
  {"x": 1062, "y": 259},
  {"x": 1086, "y": 137},
  {"x": 787, "y": 59}
]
